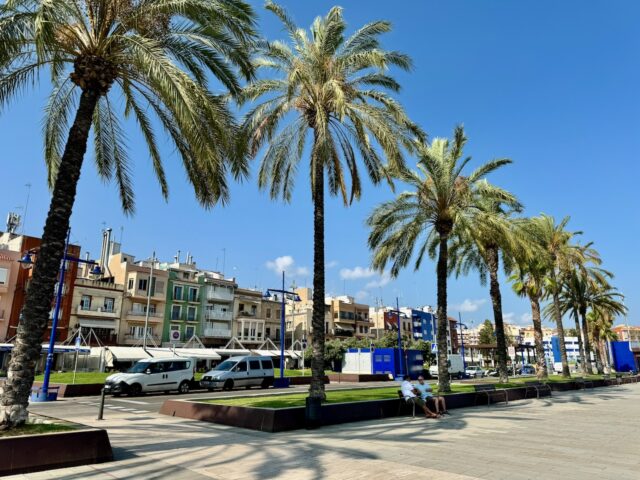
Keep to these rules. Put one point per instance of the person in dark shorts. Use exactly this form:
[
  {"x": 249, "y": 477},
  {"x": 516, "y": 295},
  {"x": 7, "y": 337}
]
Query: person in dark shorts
[
  {"x": 426, "y": 393},
  {"x": 410, "y": 394}
]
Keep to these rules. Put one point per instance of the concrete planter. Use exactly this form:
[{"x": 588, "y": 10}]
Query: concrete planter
[
  {"x": 357, "y": 377},
  {"x": 67, "y": 390},
  {"x": 33, "y": 453},
  {"x": 304, "y": 380}
]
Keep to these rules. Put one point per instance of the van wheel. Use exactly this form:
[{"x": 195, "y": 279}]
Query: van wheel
[
  {"x": 248, "y": 387},
  {"x": 135, "y": 390},
  {"x": 265, "y": 383},
  {"x": 228, "y": 385},
  {"x": 210, "y": 389},
  {"x": 184, "y": 387},
  {"x": 117, "y": 394}
]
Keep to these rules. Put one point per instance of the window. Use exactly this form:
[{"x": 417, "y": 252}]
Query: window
[
  {"x": 277, "y": 333},
  {"x": 191, "y": 314},
  {"x": 241, "y": 307},
  {"x": 176, "y": 311},
  {"x": 190, "y": 331},
  {"x": 254, "y": 310},
  {"x": 254, "y": 364},
  {"x": 278, "y": 313},
  {"x": 158, "y": 286},
  {"x": 193, "y": 294},
  {"x": 246, "y": 333},
  {"x": 142, "y": 284},
  {"x": 4, "y": 273},
  {"x": 85, "y": 303},
  {"x": 267, "y": 364},
  {"x": 185, "y": 275},
  {"x": 268, "y": 332},
  {"x": 177, "y": 292},
  {"x": 241, "y": 367},
  {"x": 268, "y": 313},
  {"x": 130, "y": 284},
  {"x": 109, "y": 304}
]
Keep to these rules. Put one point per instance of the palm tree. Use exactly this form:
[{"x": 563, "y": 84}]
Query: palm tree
[
  {"x": 157, "y": 55},
  {"x": 439, "y": 198},
  {"x": 603, "y": 308},
  {"x": 559, "y": 257},
  {"x": 478, "y": 244},
  {"x": 334, "y": 89}
]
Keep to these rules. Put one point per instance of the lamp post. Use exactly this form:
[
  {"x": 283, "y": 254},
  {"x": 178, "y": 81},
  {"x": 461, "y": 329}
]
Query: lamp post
[
  {"x": 462, "y": 326},
  {"x": 27, "y": 262},
  {"x": 282, "y": 382}
]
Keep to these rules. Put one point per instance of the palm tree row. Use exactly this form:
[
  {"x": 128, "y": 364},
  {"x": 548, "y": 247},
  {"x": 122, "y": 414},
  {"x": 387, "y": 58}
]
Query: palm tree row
[{"x": 319, "y": 95}]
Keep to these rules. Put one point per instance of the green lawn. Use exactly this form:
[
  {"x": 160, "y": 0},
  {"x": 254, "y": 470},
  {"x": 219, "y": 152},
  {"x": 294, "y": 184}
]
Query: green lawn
[
  {"x": 35, "y": 428},
  {"x": 81, "y": 377}
]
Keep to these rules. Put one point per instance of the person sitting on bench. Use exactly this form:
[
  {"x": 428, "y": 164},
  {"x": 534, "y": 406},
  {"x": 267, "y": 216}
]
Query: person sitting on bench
[
  {"x": 426, "y": 393},
  {"x": 412, "y": 395}
]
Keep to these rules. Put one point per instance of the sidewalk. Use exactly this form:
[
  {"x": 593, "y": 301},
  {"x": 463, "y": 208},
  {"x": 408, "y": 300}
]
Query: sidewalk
[{"x": 577, "y": 435}]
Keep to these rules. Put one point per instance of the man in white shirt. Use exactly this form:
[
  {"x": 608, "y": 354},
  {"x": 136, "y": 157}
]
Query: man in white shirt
[
  {"x": 410, "y": 394},
  {"x": 426, "y": 393}
]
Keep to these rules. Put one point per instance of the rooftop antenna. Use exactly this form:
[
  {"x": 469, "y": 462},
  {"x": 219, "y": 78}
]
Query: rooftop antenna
[
  {"x": 224, "y": 259},
  {"x": 121, "y": 233},
  {"x": 26, "y": 207}
]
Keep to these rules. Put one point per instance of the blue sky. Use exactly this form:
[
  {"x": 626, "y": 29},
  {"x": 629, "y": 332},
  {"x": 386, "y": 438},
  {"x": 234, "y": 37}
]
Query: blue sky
[{"x": 551, "y": 85}]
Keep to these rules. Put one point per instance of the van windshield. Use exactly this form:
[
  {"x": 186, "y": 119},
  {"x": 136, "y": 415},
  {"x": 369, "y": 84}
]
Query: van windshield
[
  {"x": 225, "y": 366},
  {"x": 139, "y": 367}
]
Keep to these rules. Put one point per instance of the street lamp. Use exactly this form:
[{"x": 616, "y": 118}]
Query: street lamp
[
  {"x": 462, "y": 325},
  {"x": 282, "y": 382},
  {"x": 27, "y": 262}
]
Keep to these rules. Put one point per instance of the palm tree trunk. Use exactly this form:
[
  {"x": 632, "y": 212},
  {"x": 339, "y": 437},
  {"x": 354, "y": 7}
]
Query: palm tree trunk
[
  {"x": 598, "y": 352},
  {"x": 316, "y": 389},
  {"x": 493, "y": 259},
  {"x": 583, "y": 367},
  {"x": 14, "y": 395},
  {"x": 587, "y": 342},
  {"x": 444, "y": 385},
  {"x": 558, "y": 318},
  {"x": 541, "y": 370}
]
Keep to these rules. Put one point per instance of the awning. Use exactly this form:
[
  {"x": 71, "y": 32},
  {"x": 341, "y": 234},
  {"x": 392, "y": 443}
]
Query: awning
[
  {"x": 90, "y": 323},
  {"x": 197, "y": 353},
  {"x": 7, "y": 347},
  {"x": 230, "y": 352},
  {"x": 345, "y": 326},
  {"x": 276, "y": 353}
]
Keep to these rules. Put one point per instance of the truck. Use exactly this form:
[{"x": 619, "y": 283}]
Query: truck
[{"x": 454, "y": 363}]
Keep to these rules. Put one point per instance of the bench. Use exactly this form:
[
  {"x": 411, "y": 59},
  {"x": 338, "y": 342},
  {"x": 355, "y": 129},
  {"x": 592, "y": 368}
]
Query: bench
[
  {"x": 405, "y": 402},
  {"x": 536, "y": 387},
  {"x": 633, "y": 376},
  {"x": 609, "y": 380},
  {"x": 490, "y": 391},
  {"x": 583, "y": 383}
]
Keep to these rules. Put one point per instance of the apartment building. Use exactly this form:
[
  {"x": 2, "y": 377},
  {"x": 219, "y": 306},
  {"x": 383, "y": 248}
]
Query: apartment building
[
  {"x": 627, "y": 333},
  {"x": 9, "y": 271},
  {"x": 96, "y": 307},
  {"x": 218, "y": 293},
  {"x": 256, "y": 317},
  {"x": 299, "y": 317},
  {"x": 183, "y": 313},
  {"x": 140, "y": 288},
  {"x": 349, "y": 318}
]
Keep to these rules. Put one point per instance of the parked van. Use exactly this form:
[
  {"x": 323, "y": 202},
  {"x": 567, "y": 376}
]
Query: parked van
[
  {"x": 244, "y": 371},
  {"x": 153, "y": 375},
  {"x": 454, "y": 363}
]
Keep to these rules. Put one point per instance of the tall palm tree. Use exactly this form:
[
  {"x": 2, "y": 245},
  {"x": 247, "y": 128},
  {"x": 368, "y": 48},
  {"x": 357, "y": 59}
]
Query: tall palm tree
[
  {"x": 157, "y": 56},
  {"x": 336, "y": 91},
  {"x": 560, "y": 257},
  {"x": 440, "y": 197},
  {"x": 478, "y": 243},
  {"x": 603, "y": 309}
]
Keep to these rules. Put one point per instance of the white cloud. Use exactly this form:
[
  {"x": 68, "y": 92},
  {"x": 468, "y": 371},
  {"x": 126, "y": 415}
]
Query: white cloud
[
  {"x": 508, "y": 317},
  {"x": 287, "y": 264},
  {"x": 525, "y": 319},
  {"x": 469, "y": 305},
  {"x": 362, "y": 295},
  {"x": 356, "y": 273},
  {"x": 331, "y": 264},
  {"x": 381, "y": 282}
]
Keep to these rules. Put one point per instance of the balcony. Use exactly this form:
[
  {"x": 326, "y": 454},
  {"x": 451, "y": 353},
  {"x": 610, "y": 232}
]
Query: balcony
[
  {"x": 217, "y": 332},
  {"x": 153, "y": 316},
  {"x": 133, "y": 339},
  {"x": 137, "y": 293},
  {"x": 218, "y": 315},
  {"x": 98, "y": 312},
  {"x": 223, "y": 295}
]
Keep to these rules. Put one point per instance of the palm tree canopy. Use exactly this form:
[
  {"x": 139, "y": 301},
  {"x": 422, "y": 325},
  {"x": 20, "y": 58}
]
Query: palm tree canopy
[
  {"x": 440, "y": 197},
  {"x": 337, "y": 87},
  {"x": 159, "y": 55}
]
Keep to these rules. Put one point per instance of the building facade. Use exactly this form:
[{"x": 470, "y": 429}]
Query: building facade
[
  {"x": 349, "y": 318},
  {"x": 183, "y": 314},
  {"x": 218, "y": 295},
  {"x": 96, "y": 308}
]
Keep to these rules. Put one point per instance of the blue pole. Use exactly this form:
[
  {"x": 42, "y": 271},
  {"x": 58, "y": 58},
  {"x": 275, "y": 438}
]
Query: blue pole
[
  {"x": 464, "y": 366},
  {"x": 282, "y": 331},
  {"x": 54, "y": 323},
  {"x": 399, "y": 338}
]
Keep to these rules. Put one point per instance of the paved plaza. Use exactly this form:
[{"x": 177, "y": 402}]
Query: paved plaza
[{"x": 591, "y": 434}]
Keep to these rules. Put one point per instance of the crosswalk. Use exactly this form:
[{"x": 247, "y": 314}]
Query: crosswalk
[{"x": 117, "y": 408}]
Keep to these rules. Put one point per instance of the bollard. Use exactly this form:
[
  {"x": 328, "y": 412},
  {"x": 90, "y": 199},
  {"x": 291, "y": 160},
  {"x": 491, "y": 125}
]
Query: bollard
[{"x": 101, "y": 405}]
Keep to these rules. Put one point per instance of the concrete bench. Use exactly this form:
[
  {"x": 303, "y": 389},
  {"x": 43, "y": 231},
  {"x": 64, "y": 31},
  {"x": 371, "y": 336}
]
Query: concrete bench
[
  {"x": 583, "y": 383},
  {"x": 491, "y": 392}
]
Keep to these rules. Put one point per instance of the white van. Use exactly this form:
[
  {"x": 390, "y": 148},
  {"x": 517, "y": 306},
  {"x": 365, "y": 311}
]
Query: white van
[
  {"x": 454, "y": 365},
  {"x": 153, "y": 375},
  {"x": 244, "y": 371}
]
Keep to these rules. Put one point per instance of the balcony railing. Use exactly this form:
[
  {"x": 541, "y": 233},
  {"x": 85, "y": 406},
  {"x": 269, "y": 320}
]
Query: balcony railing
[
  {"x": 217, "y": 332},
  {"x": 98, "y": 311},
  {"x": 139, "y": 313},
  {"x": 219, "y": 295},
  {"x": 138, "y": 338},
  {"x": 218, "y": 315}
]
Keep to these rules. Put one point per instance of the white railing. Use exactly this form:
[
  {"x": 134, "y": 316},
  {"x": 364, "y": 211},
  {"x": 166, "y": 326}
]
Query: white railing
[
  {"x": 217, "y": 332},
  {"x": 218, "y": 315},
  {"x": 219, "y": 295},
  {"x": 97, "y": 311},
  {"x": 140, "y": 313}
]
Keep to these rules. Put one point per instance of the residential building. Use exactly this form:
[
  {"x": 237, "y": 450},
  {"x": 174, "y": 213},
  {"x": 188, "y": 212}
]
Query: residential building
[
  {"x": 299, "y": 315},
  {"x": 9, "y": 271},
  {"x": 552, "y": 348},
  {"x": 21, "y": 245},
  {"x": 256, "y": 317},
  {"x": 96, "y": 307},
  {"x": 423, "y": 323},
  {"x": 183, "y": 314},
  {"x": 349, "y": 318},
  {"x": 140, "y": 288},
  {"x": 218, "y": 295},
  {"x": 627, "y": 333}
]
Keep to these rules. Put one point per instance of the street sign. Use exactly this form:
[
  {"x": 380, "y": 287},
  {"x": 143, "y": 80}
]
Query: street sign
[
  {"x": 434, "y": 348},
  {"x": 512, "y": 352},
  {"x": 175, "y": 335}
]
